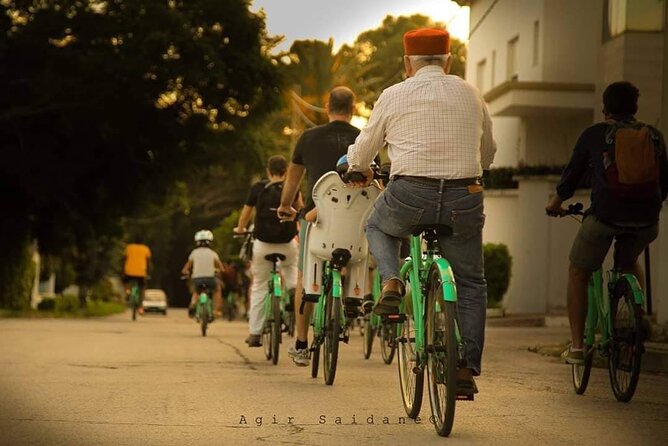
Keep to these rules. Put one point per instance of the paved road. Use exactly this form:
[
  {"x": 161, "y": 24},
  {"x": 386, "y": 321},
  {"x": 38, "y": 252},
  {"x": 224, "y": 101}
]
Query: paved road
[{"x": 158, "y": 382}]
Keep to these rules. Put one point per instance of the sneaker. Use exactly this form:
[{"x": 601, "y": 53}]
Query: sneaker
[
  {"x": 254, "y": 340},
  {"x": 299, "y": 357},
  {"x": 573, "y": 357}
]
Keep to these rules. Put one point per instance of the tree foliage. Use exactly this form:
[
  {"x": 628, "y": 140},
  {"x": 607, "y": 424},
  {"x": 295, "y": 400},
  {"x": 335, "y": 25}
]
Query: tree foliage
[
  {"x": 104, "y": 105},
  {"x": 375, "y": 61}
]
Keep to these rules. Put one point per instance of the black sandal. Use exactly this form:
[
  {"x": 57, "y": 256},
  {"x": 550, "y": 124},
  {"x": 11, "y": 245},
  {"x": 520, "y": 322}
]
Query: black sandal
[{"x": 466, "y": 388}]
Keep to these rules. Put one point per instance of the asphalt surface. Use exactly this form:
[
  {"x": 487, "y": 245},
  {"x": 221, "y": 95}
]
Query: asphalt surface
[{"x": 157, "y": 381}]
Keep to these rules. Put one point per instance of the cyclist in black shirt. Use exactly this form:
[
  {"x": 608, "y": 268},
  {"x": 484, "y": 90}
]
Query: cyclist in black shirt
[{"x": 316, "y": 153}]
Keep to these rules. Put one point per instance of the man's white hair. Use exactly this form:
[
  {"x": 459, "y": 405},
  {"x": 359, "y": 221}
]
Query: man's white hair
[{"x": 429, "y": 59}]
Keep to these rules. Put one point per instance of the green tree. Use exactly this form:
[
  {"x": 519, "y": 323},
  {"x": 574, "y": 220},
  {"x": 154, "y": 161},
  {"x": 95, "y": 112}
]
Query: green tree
[
  {"x": 105, "y": 105},
  {"x": 375, "y": 61}
]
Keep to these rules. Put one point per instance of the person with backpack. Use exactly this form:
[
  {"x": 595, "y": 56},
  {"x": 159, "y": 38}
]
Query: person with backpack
[
  {"x": 626, "y": 162},
  {"x": 271, "y": 236}
]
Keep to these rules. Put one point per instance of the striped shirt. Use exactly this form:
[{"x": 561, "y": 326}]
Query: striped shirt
[{"x": 435, "y": 125}]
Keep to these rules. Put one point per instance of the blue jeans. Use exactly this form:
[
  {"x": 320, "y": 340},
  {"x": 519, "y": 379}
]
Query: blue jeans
[{"x": 405, "y": 204}]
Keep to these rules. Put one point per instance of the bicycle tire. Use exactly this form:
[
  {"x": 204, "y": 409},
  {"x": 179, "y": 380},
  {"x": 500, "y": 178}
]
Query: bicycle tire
[
  {"x": 315, "y": 359},
  {"x": 275, "y": 328},
  {"x": 626, "y": 346},
  {"x": 441, "y": 345},
  {"x": 411, "y": 378},
  {"x": 332, "y": 334},
  {"x": 369, "y": 335},
  {"x": 388, "y": 344},
  {"x": 581, "y": 372},
  {"x": 203, "y": 318}
]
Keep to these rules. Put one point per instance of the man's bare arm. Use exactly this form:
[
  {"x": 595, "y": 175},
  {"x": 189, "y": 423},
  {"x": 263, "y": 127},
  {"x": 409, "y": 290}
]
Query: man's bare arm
[{"x": 291, "y": 184}]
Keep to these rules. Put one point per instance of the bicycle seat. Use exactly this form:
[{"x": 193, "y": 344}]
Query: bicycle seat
[
  {"x": 275, "y": 257},
  {"x": 434, "y": 229}
]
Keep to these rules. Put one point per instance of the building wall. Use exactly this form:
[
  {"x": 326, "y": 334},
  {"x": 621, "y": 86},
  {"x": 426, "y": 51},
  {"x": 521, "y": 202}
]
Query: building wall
[
  {"x": 508, "y": 19},
  {"x": 573, "y": 35},
  {"x": 540, "y": 247}
]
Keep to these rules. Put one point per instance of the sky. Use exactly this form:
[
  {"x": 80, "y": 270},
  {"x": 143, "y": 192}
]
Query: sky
[{"x": 344, "y": 20}]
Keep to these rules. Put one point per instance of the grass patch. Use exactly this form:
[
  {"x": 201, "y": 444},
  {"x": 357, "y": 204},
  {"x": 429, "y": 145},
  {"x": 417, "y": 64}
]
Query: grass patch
[{"x": 65, "y": 307}]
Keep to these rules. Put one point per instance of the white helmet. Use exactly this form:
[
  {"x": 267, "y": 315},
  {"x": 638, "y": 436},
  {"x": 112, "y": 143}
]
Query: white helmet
[{"x": 204, "y": 236}]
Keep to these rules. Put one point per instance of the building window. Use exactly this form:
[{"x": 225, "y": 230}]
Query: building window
[
  {"x": 480, "y": 75},
  {"x": 536, "y": 42},
  {"x": 511, "y": 63},
  {"x": 632, "y": 15},
  {"x": 493, "y": 81}
]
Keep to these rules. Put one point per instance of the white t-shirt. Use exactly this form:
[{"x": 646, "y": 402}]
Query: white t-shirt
[{"x": 203, "y": 262}]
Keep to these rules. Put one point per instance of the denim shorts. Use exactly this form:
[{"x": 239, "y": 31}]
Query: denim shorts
[{"x": 594, "y": 238}]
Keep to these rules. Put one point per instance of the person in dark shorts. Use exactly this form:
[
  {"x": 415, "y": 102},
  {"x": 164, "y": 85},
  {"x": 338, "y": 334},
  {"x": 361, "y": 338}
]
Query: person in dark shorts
[{"x": 632, "y": 223}]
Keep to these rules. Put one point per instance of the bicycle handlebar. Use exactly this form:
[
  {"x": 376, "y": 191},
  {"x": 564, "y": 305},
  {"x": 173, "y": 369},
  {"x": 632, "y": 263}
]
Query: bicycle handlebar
[
  {"x": 573, "y": 209},
  {"x": 359, "y": 177}
]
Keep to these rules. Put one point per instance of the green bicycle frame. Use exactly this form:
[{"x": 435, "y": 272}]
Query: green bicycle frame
[
  {"x": 416, "y": 269},
  {"x": 204, "y": 300},
  {"x": 334, "y": 275},
  {"x": 275, "y": 287},
  {"x": 598, "y": 308},
  {"x": 135, "y": 293}
]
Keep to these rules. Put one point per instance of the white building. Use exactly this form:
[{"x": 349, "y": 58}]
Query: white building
[{"x": 542, "y": 66}]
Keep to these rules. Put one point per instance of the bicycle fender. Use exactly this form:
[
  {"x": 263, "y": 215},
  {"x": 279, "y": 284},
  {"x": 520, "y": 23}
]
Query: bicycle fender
[
  {"x": 336, "y": 284},
  {"x": 448, "y": 280},
  {"x": 638, "y": 294},
  {"x": 278, "y": 287}
]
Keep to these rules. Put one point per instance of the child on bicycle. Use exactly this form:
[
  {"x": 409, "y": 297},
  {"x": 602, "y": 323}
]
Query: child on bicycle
[{"x": 202, "y": 265}]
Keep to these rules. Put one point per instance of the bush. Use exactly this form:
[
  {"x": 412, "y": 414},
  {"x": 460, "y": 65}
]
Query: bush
[
  {"x": 103, "y": 290},
  {"x": 498, "y": 265},
  {"x": 47, "y": 304},
  {"x": 67, "y": 304}
]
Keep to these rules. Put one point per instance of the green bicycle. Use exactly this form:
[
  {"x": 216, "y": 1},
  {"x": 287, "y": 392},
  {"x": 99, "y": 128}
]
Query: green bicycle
[
  {"x": 135, "y": 298},
  {"x": 274, "y": 308},
  {"x": 618, "y": 319},
  {"x": 204, "y": 307},
  {"x": 328, "y": 319},
  {"x": 382, "y": 327},
  {"x": 429, "y": 330}
]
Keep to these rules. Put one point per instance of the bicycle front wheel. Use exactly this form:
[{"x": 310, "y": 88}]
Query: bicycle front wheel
[
  {"x": 626, "y": 346},
  {"x": 441, "y": 345},
  {"x": 411, "y": 376},
  {"x": 275, "y": 328},
  {"x": 369, "y": 334},
  {"x": 332, "y": 333}
]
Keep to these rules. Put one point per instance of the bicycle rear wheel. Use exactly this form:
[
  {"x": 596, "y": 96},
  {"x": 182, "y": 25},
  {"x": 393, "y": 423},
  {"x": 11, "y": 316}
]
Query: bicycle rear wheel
[
  {"x": 315, "y": 359},
  {"x": 411, "y": 377},
  {"x": 203, "y": 317},
  {"x": 626, "y": 346},
  {"x": 332, "y": 333},
  {"x": 388, "y": 343},
  {"x": 275, "y": 328},
  {"x": 441, "y": 345},
  {"x": 369, "y": 334}
]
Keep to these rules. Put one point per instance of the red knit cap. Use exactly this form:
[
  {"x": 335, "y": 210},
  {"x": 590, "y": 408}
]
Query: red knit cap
[{"x": 426, "y": 41}]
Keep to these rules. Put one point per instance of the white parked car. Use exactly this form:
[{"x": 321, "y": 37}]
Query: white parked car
[{"x": 155, "y": 300}]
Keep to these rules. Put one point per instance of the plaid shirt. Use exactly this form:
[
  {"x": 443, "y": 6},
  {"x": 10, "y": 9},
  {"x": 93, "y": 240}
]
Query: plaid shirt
[{"x": 434, "y": 125}]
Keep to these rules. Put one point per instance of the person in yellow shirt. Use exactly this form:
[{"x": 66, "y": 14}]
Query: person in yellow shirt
[{"x": 137, "y": 266}]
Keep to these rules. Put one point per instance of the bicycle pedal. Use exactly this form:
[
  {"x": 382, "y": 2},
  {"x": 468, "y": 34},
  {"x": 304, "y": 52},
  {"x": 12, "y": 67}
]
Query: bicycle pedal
[{"x": 465, "y": 397}]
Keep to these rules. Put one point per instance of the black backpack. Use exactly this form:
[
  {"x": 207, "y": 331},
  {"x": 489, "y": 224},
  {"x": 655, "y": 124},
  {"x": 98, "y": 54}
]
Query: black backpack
[{"x": 268, "y": 227}]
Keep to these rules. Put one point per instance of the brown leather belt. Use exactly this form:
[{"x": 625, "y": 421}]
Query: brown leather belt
[{"x": 458, "y": 182}]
